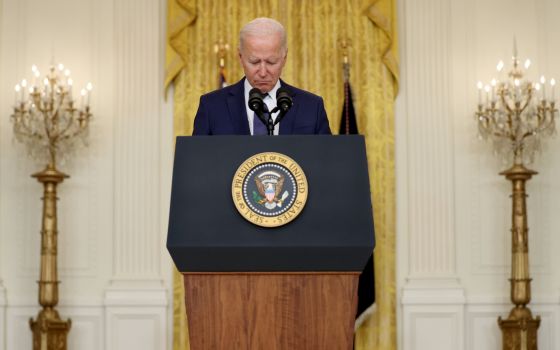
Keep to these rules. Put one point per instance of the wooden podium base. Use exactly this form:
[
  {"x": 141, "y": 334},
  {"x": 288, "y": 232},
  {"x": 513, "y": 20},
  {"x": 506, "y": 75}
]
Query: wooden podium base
[{"x": 271, "y": 311}]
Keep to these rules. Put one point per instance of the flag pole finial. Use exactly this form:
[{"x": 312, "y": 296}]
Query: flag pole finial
[
  {"x": 345, "y": 44},
  {"x": 221, "y": 49}
]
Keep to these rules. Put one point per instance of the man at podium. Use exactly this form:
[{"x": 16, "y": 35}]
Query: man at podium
[
  {"x": 254, "y": 285},
  {"x": 262, "y": 53}
]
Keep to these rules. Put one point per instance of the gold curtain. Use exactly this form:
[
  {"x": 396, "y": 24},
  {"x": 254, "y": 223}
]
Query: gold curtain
[{"x": 314, "y": 28}]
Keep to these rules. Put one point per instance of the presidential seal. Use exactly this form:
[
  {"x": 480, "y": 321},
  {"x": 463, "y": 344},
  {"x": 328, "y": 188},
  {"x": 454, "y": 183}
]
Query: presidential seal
[{"x": 269, "y": 189}]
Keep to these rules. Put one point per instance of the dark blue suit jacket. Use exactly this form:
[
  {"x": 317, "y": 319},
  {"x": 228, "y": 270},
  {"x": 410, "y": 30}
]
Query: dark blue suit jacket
[{"x": 223, "y": 112}]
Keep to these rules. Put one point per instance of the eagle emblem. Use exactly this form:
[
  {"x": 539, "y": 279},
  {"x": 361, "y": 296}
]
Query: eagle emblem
[
  {"x": 269, "y": 189},
  {"x": 269, "y": 185}
]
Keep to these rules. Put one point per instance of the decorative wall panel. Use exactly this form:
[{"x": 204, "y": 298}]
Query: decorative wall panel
[
  {"x": 454, "y": 210},
  {"x": 429, "y": 140},
  {"x": 110, "y": 209}
]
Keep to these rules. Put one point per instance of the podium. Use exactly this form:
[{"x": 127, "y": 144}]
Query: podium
[{"x": 287, "y": 287}]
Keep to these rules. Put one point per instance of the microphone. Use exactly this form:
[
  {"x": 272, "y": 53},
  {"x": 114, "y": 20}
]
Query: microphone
[
  {"x": 256, "y": 100},
  {"x": 283, "y": 99},
  {"x": 256, "y": 104},
  {"x": 283, "y": 103}
]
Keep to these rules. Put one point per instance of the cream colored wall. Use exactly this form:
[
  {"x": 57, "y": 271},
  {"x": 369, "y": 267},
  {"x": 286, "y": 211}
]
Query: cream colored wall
[
  {"x": 113, "y": 210},
  {"x": 454, "y": 211},
  {"x": 2, "y": 289},
  {"x": 453, "y": 208}
]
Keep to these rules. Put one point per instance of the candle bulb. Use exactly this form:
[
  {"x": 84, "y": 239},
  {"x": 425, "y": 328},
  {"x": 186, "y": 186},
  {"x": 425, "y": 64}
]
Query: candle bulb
[
  {"x": 23, "y": 89},
  {"x": 479, "y": 86},
  {"x": 517, "y": 89},
  {"x": 69, "y": 82},
  {"x": 34, "y": 70},
  {"x": 46, "y": 83},
  {"x": 36, "y": 75},
  {"x": 89, "y": 87},
  {"x": 17, "y": 89},
  {"x": 552, "y": 84},
  {"x": 83, "y": 95},
  {"x": 543, "y": 83},
  {"x": 500, "y": 66},
  {"x": 487, "y": 89}
]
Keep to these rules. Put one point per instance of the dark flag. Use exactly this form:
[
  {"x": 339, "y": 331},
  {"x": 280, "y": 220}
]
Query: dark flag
[
  {"x": 348, "y": 124},
  {"x": 366, "y": 286}
]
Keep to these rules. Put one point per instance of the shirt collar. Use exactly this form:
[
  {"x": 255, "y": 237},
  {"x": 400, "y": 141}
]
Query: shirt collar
[{"x": 271, "y": 93}]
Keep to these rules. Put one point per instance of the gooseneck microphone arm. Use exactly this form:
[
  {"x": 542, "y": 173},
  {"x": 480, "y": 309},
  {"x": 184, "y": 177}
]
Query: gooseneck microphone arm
[
  {"x": 256, "y": 104},
  {"x": 283, "y": 104}
]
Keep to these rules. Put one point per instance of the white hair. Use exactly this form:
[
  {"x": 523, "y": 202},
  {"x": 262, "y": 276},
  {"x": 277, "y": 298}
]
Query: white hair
[{"x": 263, "y": 26}]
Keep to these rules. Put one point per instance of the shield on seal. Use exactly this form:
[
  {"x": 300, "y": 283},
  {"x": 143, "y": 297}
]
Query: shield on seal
[
  {"x": 269, "y": 184},
  {"x": 270, "y": 192}
]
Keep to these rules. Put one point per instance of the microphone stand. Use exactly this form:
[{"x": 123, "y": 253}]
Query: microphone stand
[
  {"x": 269, "y": 122},
  {"x": 266, "y": 121},
  {"x": 281, "y": 115},
  {"x": 257, "y": 105}
]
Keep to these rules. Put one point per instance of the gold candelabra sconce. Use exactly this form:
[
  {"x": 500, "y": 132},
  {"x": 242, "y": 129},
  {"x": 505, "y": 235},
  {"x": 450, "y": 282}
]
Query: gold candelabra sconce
[
  {"x": 516, "y": 115},
  {"x": 51, "y": 124},
  {"x": 47, "y": 119}
]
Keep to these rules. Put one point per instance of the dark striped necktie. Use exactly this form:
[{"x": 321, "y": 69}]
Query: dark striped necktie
[{"x": 258, "y": 127}]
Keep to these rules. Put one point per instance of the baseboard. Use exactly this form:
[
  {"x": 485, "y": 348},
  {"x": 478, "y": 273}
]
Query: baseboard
[{"x": 2, "y": 317}]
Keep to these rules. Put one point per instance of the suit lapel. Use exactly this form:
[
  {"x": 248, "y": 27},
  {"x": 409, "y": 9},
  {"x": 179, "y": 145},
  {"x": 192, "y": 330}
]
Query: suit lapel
[
  {"x": 287, "y": 123},
  {"x": 237, "y": 110}
]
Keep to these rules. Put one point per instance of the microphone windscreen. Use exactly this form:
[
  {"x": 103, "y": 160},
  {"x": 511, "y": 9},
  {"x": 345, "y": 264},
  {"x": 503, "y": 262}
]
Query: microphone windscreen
[
  {"x": 284, "y": 99},
  {"x": 255, "y": 99}
]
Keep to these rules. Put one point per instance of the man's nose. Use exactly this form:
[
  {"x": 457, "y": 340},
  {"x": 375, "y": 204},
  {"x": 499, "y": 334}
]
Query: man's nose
[{"x": 262, "y": 70}]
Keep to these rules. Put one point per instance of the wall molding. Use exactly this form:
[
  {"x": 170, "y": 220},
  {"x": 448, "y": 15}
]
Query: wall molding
[
  {"x": 428, "y": 305},
  {"x": 136, "y": 294},
  {"x": 137, "y": 135},
  {"x": 131, "y": 328},
  {"x": 433, "y": 327},
  {"x": 135, "y": 304},
  {"x": 112, "y": 256},
  {"x": 429, "y": 143},
  {"x": 433, "y": 291},
  {"x": 3, "y": 304}
]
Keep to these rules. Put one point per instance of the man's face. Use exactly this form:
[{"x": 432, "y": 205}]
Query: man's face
[{"x": 262, "y": 59}]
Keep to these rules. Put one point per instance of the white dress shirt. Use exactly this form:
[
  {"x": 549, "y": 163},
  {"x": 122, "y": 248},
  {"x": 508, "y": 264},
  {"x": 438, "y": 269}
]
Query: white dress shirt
[{"x": 270, "y": 101}]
